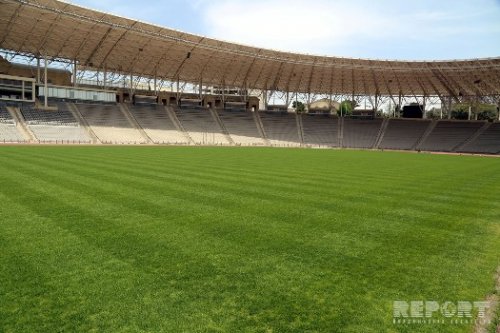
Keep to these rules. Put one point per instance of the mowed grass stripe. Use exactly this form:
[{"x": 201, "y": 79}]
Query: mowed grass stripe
[
  {"x": 355, "y": 180},
  {"x": 367, "y": 175},
  {"x": 377, "y": 194},
  {"x": 214, "y": 171},
  {"x": 173, "y": 252},
  {"x": 304, "y": 304},
  {"x": 118, "y": 202},
  {"x": 452, "y": 223},
  {"x": 113, "y": 204},
  {"x": 138, "y": 195},
  {"x": 50, "y": 278},
  {"x": 107, "y": 289},
  {"x": 273, "y": 296},
  {"x": 275, "y": 293}
]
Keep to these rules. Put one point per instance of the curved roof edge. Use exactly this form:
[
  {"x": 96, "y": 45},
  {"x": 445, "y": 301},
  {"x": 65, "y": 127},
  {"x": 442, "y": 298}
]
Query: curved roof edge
[
  {"x": 284, "y": 51},
  {"x": 98, "y": 40}
]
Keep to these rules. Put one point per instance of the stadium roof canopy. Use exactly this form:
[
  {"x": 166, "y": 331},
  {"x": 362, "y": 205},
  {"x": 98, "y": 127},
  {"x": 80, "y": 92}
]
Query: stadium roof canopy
[{"x": 97, "y": 40}]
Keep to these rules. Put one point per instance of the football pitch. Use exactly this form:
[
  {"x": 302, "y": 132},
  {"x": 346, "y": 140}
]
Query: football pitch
[{"x": 199, "y": 239}]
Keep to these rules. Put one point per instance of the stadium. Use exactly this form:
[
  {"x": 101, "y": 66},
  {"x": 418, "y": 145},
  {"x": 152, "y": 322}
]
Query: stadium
[{"x": 153, "y": 180}]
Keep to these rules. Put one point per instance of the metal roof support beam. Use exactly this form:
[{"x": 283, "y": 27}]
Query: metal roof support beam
[
  {"x": 227, "y": 70},
  {"x": 159, "y": 86},
  {"x": 134, "y": 61},
  {"x": 277, "y": 77},
  {"x": 269, "y": 96},
  {"x": 309, "y": 84},
  {"x": 249, "y": 70},
  {"x": 51, "y": 28},
  {"x": 445, "y": 83},
  {"x": 205, "y": 65},
  {"x": 10, "y": 25},
  {"x": 257, "y": 79},
  {"x": 105, "y": 59},
  {"x": 299, "y": 82},
  {"x": 292, "y": 75},
  {"x": 162, "y": 58},
  {"x": 98, "y": 47},
  {"x": 179, "y": 68},
  {"x": 391, "y": 95},
  {"x": 473, "y": 87},
  {"x": 234, "y": 83},
  {"x": 422, "y": 87}
]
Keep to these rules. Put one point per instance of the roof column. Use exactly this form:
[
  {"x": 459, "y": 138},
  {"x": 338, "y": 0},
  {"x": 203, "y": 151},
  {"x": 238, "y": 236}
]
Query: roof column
[
  {"x": 75, "y": 69},
  {"x": 200, "y": 90},
  {"x": 296, "y": 100},
  {"x": 400, "y": 107},
  {"x": 424, "y": 114},
  {"x": 498, "y": 109},
  {"x": 449, "y": 107},
  {"x": 46, "y": 90},
  {"x": 223, "y": 94},
  {"x": 245, "y": 95},
  {"x": 131, "y": 84},
  {"x": 341, "y": 108},
  {"x": 105, "y": 78},
  {"x": 178, "y": 93},
  {"x": 38, "y": 76}
]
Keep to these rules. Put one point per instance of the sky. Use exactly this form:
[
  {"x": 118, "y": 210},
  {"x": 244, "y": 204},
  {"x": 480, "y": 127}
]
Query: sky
[{"x": 379, "y": 29}]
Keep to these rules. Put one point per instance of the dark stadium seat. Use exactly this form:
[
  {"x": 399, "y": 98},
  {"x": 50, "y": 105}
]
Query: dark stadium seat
[
  {"x": 201, "y": 125},
  {"x": 240, "y": 124},
  {"x": 280, "y": 127},
  {"x": 155, "y": 121},
  {"x": 487, "y": 142},
  {"x": 361, "y": 133},
  {"x": 321, "y": 130},
  {"x": 403, "y": 134},
  {"x": 448, "y": 135}
]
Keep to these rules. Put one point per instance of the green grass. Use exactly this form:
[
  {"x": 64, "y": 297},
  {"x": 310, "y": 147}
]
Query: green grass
[{"x": 154, "y": 239}]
